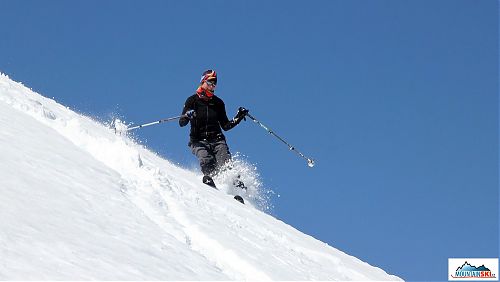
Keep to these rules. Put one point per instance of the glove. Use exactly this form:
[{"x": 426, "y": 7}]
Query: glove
[
  {"x": 242, "y": 112},
  {"x": 190, "y": 114}
]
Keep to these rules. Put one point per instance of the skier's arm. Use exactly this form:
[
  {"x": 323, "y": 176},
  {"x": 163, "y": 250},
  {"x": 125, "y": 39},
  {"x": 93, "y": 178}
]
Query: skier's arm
[
  {"x": 183, "y": 121},
  {"x": 227, "y": 124},
  {"x": 224, "y": 122}
]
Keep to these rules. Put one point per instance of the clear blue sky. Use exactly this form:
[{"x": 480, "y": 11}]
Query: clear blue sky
[{"x": 396, "y": 100}]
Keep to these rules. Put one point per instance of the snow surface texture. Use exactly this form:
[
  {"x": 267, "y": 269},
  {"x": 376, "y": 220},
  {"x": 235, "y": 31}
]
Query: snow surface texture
[{"x": 79, "y": 202}]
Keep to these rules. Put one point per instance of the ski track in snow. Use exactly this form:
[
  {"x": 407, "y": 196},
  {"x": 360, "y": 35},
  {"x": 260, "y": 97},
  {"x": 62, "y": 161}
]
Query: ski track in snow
[{"x": 181, "y": 206}]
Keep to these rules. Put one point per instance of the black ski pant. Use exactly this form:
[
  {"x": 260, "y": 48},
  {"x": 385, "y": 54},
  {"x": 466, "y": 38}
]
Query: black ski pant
[{"x": 212, "y": 155}]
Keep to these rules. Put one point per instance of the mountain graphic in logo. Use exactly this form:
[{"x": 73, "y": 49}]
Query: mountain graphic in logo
[
  {"x": 468, "y": 267},
  {"x": 468, "y": 271}
]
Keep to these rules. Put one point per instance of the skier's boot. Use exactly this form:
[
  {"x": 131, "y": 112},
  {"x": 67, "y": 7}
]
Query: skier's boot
[
  {"x": 209, "y": 181},
  {"x": 239, "y": 184}
]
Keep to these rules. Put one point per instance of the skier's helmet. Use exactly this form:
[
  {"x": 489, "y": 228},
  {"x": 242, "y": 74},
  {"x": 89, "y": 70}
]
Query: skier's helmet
[{"x": 209, "y": 75}]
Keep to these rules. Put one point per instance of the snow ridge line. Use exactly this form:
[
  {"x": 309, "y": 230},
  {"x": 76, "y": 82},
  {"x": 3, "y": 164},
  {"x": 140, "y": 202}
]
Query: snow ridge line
[{"x": 120, "y": 155}]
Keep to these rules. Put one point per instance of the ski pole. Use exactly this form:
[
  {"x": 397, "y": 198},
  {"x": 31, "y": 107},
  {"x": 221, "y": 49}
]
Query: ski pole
[
  {"x": 155, "y": 122},
  {"x": 310, "y": 162},
  {"x": 148, "y": 124}
]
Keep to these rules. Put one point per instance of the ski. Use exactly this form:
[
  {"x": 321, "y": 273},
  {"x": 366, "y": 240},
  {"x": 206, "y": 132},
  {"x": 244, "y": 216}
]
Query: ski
[
  {"x": 239, "y": 199},
  {"x": 210, "y": 182}
]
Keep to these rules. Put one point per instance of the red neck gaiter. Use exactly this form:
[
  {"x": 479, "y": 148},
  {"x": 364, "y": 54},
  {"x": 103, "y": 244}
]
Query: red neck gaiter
[{"x": 204, "y": 94}]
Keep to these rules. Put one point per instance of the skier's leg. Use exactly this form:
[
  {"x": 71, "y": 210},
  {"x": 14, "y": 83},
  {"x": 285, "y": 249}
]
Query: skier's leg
[
  {"x": 224, "y": 162},
  {"x": 222, "y": 155},
  {"x": 205, "y": 156}
]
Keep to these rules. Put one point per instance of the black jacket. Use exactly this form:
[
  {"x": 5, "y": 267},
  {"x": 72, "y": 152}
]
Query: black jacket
[{"x": 210, "y": 118}]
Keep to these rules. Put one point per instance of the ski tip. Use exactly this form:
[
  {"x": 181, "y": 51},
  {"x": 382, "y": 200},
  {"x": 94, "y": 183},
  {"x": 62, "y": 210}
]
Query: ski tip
[{"x": 239, "y": 199}]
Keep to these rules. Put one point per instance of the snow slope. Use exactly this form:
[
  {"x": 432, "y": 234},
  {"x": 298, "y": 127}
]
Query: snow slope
[{"x": 79, "y": 202}]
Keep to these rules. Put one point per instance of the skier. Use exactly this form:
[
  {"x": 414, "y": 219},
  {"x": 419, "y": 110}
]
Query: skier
[{"x": 207, "y": 115}]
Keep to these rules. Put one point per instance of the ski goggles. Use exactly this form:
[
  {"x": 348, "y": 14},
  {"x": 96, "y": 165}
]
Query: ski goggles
[{"x": 211, "y": 83}]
